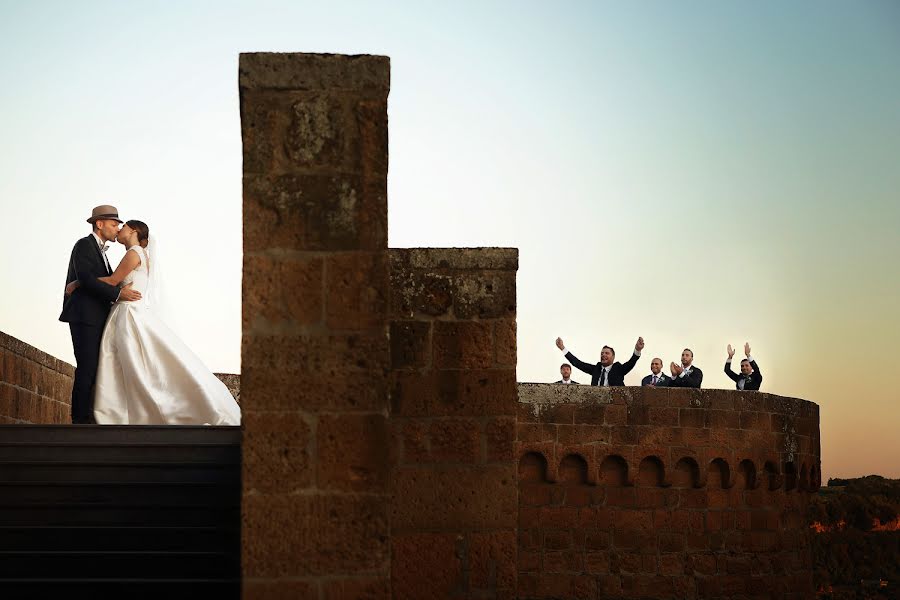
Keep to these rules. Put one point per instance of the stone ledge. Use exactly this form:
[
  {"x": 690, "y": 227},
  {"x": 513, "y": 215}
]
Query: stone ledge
[
  {"x": 548, "y": 394},
  {"x": 20, "y": 348},
  {"x": 232, "y": 382},
  {"x": 485, "y": 259},
  {"x": 313, "y": 72}
]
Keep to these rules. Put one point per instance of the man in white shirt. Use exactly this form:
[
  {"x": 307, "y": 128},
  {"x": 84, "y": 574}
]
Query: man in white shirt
[
  {"x": 750, "y": 378},
  {"x": 656, "y": 378},
  {"x": 566, "y": 371}
]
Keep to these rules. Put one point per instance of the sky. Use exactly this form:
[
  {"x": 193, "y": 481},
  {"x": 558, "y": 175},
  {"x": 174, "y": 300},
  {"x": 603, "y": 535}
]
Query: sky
[{"x": 697, "y": 173}]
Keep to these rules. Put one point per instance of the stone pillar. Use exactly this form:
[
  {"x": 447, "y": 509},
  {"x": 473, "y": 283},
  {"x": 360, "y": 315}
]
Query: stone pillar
[
  {"x": 453, "y": 361},
  {"x": 315, "y": 348}
]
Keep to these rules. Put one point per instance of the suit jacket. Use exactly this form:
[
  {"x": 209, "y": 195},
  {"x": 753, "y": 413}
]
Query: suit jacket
[
  {"x": 571, "y": 382},
  {"x": 755, "y": 377},
  {"x": 617, "y": 371},
  {"x": 90, "y": 303},
  {"x": 688, "y": 381},
  {"x": 663, "y": 381}
]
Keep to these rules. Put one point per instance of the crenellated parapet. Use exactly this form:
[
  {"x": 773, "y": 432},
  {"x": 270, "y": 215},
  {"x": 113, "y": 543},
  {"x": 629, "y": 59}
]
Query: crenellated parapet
[
  {"x": 656, "y": 493},
  {"x": 764, "y": 439}
]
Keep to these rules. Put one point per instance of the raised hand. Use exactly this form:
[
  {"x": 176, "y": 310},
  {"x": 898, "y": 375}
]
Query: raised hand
[
  {"x": 730, "y": 351},
  {"x": 747, "y": 349},
  {"x": 639, "y": 345},
  {"x": 676, "y": 369},
  {"x": 559, "y": 344}
]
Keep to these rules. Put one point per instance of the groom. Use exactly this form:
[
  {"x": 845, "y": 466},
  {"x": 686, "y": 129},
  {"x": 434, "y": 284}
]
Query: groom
[{"x": 86, "y": 309}]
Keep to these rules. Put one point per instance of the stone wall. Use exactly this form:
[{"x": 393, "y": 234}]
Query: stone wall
[
  {"x": 453, "y": 358},
  {"x": 383, "y": 426},
  {"x": 34, "y": 386},
  {"x": 664, "y": 493},
  {"x": 233, "y": 382},
  {"x": 315, "y": 355}
]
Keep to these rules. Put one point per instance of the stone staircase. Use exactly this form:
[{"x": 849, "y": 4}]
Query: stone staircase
[{"x": 119, "y": 511}]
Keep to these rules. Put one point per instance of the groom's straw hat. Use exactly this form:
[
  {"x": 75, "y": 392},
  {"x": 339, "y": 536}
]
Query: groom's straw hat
[{"x": 105, "y": 211}]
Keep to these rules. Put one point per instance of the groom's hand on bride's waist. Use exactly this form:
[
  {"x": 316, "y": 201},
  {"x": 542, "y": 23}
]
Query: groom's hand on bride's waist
[{"x": 127, "y": 294}]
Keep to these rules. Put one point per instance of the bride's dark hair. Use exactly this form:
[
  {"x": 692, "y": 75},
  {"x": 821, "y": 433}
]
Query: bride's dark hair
[{"x": 142, "y": 230}]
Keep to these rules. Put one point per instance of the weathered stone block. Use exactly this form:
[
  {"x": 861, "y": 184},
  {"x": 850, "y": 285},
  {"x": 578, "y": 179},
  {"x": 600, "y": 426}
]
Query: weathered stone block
[
  {"x": 282, "y": 291},
  {"x": 312, "y": 372},
  {"x": 463, "y": 345},
  {"x": 315, "y": 212},
  {"x": 426, "y": 566},
  {"x": 352, "y": 452},
  {"x": 410, "y": 344},
  {"x": 484, "y": 295},
  {"x": 492, "y": 560},
  {"x": 476, "y": 393},
  {"x": 414, "y": 441},
  {"x": 419, "y": 293},
  {"x": 694, "y": 417},
  {"x": 314, "y": 72},
  {"x": 454, "y": 499},
  {"x": 276, "y": 451},
  {"x": 357, "y": 589},
  {"x": 455, "y": 441},
  {"x": 505, "y": 342},
  {"x": 356, "y": 290},
  {"x": 330, "y": 534}
]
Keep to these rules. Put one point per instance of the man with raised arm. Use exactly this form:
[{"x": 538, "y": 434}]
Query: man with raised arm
[
  {"x": 750, "y": 378},
  {"x": 686, "y": 374},
  {"x": 605, "y": 373}
]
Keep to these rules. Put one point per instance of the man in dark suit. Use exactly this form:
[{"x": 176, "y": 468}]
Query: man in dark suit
[
  {"x": 565, "y": 370},
  {"x": 750, "y": 378},
  {"x": 686, "y": 374},
  {"x": 605, "y": 373},
  {"x": 655, "y": 378},
  {"x": 86, "y": 309}
]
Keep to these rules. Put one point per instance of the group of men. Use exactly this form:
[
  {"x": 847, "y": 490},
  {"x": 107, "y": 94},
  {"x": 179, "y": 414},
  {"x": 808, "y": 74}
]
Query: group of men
[{"x": 609, "y": 372}]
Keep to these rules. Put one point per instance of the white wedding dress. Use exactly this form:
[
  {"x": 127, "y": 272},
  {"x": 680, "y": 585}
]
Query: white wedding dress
[{"x": 147, "y": 376}]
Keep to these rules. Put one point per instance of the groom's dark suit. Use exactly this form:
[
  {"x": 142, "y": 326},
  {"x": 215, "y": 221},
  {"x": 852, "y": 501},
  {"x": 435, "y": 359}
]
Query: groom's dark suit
[{"x": 85, "y": 311}]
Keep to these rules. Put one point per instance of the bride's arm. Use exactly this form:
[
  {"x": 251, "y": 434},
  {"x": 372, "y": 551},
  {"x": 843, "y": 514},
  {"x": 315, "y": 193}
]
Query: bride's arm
[{"x": 129, "y": 263}]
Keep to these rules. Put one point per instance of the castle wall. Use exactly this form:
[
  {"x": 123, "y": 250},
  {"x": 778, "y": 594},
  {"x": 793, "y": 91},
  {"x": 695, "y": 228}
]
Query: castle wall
[
  {"x": 388, "y": 451},
  {"x": 453, "y": 358},
  {"x": 664, "y": 493},
  {"x": 34, "y": 386}
]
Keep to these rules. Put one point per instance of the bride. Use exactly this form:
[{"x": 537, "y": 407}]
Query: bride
[{"x": 146, "y": 375}]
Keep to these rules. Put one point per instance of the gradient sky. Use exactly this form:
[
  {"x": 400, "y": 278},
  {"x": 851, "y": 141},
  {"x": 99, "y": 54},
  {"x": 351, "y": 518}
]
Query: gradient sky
[{"x": 698, "y": 173}]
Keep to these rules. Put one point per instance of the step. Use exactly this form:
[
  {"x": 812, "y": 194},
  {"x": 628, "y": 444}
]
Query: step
[
  {"x": 66, "y": 453},
  {"x": 119, "y": 494},
  {"x": 121, "y": 434},
  {"x": 94, "y": 514},
  {"x": 120, "y": 564},
  {"x": 35, "y": 471},
  {"x": 118, "y": 538},
  {"x": 121, "y": 589}
]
